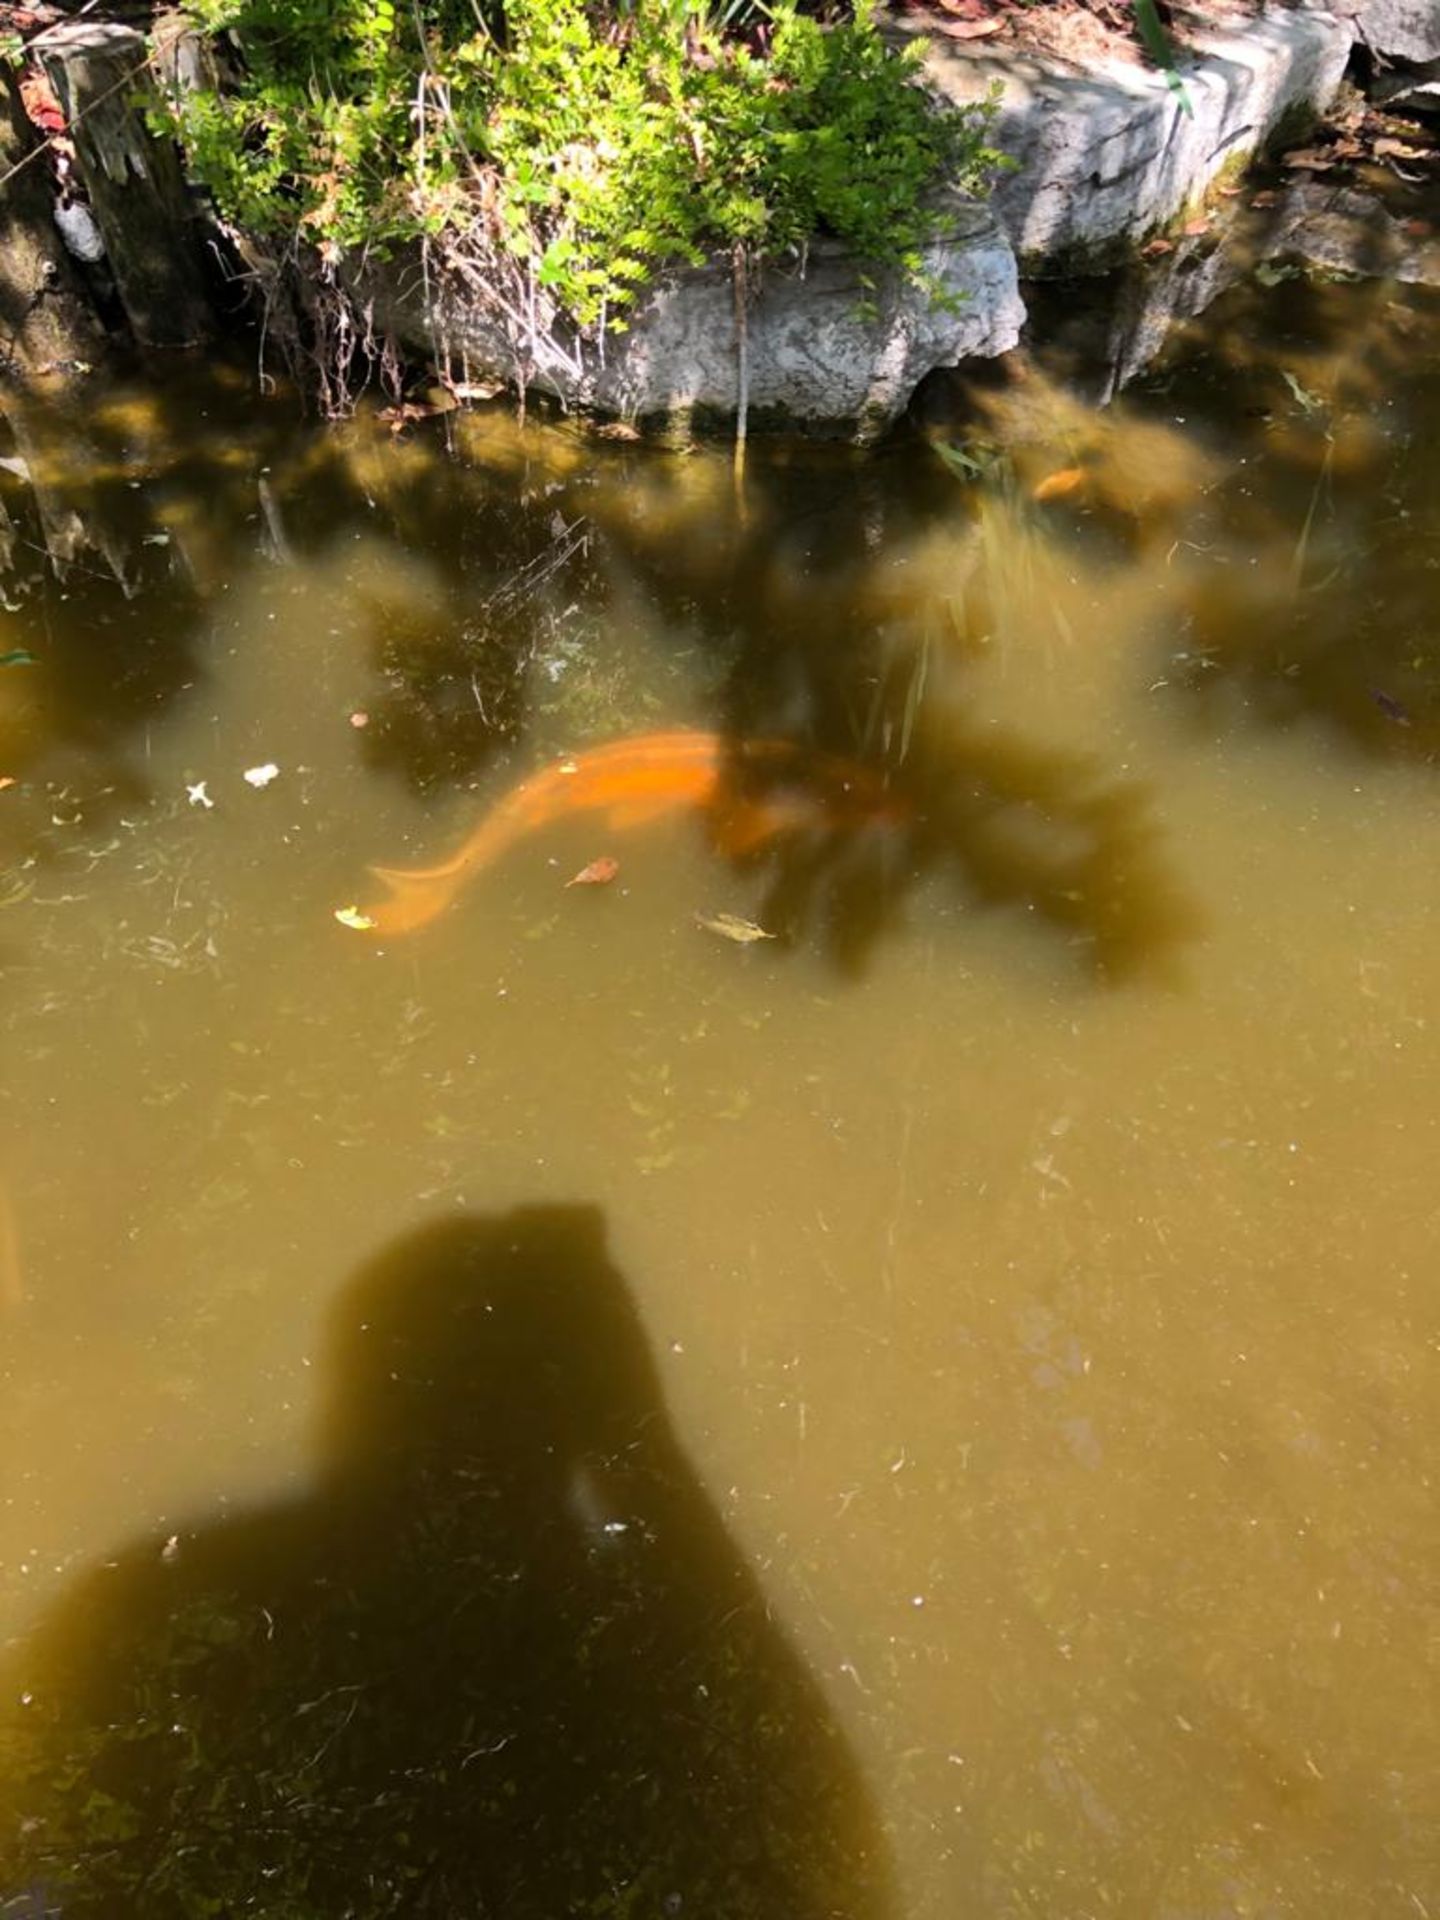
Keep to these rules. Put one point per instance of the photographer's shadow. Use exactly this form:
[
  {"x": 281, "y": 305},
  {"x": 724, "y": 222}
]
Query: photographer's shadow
[{"x": 502, "y": 1660}]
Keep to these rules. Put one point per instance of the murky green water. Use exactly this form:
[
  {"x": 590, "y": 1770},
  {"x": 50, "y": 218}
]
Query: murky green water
[{"x": 560, "y": 1412}]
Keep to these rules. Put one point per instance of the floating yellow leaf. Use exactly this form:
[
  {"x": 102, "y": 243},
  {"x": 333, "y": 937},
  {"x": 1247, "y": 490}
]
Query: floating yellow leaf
[
  {"x": 730, "y": 926},
  {"x": 352, "y": 917}
]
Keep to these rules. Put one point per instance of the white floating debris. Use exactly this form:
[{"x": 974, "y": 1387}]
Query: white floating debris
[
  {"x": 197, "y": 796},
  {"x": 262, "y": 776}
]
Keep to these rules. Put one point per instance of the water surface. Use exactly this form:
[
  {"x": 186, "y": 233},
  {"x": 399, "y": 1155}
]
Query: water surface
[{"x": 1015, "y": 1277}]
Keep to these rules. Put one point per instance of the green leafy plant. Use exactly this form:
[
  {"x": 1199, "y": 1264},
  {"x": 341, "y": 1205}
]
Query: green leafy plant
[{"x": 566, "y": 151}]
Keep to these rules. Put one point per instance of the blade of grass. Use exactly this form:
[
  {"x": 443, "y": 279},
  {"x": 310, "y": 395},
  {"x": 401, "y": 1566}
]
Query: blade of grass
[{"x": 1161, "y": 49}]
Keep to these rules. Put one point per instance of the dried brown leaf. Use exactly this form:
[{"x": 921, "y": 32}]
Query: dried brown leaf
[
  {"x": 1389, "y": 148},
  {"x": 476, "y": 389},
  {"x": 966, "y": 29},
  {"x": 599, "y": 873}
]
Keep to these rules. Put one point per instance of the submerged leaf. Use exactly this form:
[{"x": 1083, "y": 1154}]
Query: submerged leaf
[
  {"x": 17, "y": 657},
  {"x": 730, "y": 926},
  {"x": 969, "y": 466},
  {"x": 475, "y": 389},
  {"x": 1311, "y": 402},
  {"x": 1313, "y": 157},
  {"x": 353, "y": 917},
  {"x": 1392, "y": 708},
  {"x": 599, "y": 873}
]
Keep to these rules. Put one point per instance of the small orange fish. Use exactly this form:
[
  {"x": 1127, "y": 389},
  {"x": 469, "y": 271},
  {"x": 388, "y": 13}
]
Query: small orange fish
[
  {"x": 1059, "y": 485},
  {"x": 631, "y": 782}
]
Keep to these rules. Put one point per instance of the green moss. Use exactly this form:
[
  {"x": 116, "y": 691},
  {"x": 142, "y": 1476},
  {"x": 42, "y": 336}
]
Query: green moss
[
  {"x": 1297, "y": 123},
  {"x": 1233, "y": 170}
]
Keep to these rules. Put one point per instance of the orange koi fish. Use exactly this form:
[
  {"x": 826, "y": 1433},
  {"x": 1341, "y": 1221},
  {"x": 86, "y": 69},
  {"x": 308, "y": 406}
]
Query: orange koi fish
[
  {"x": 1059, "y": 486},
  {"x": 632, "y": 782}
]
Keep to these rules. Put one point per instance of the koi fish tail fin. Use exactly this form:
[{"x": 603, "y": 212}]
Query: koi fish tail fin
[
  {"x": 415, "y": 898},
  {"x": 401, "y": 877}
]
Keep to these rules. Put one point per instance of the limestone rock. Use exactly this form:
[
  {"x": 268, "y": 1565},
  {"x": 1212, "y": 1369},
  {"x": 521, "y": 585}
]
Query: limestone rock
[
  {"x": 1349, "y": 231},
  {"x": 1108, "y": 153},
  {"x": 1410, "y": 89},
  {"x": 1099, "y": 343},
  {"x": 1400, "y": 29},
  {"x": 817, "y": 361}
]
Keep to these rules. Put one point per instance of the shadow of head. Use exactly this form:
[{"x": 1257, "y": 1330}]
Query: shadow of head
[
  {"x": 502, "y": 1657},
  {"x": 510, "y": 1344}
]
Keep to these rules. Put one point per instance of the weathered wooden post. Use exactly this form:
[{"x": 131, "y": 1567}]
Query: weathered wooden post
[
  {"x": 134, "y": 181},
  {"x": 51, "y": 341},
  {"x": 48, "y": 328}
]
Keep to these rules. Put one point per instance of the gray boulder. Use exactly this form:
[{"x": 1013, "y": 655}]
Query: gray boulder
[
  {"x": 1108, "y": 153},
  {"x": 822, "y": 352},
  {"x": 1400, "y": 29},
  {"x": 1411, "y": 89}
]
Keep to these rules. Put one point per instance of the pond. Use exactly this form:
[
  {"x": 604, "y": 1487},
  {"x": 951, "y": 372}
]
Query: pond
[{"x": 551, "y": 1406}]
